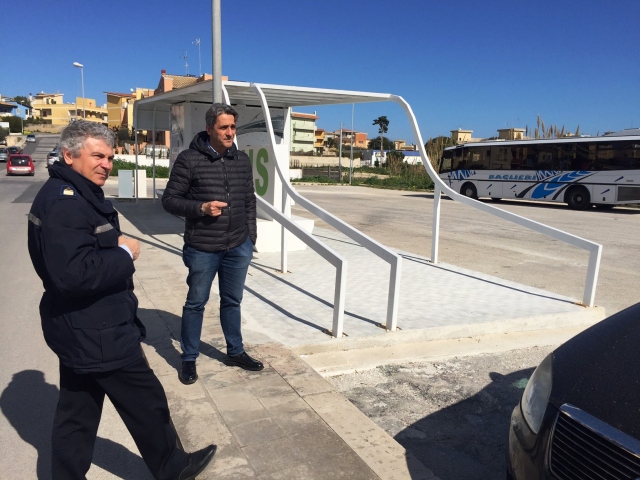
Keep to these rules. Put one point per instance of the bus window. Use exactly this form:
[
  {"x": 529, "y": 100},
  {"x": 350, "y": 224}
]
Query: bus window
[
  {"x": 446, "y": 161},
  {"x": 582, "y": 160},
  {"x": 563, "y": 155},
  {"x": 499, "y": 158},
  {"x": 618, "y": 156},
  {"x": 605, "y": 159},
  {"x": 517, "y": 157},
  {"x": 476, "y": 158},
  {"x": 544, "y": 156}
]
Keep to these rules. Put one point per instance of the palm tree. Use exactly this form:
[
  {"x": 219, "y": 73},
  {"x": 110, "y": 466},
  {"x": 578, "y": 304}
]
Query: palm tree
[{"x": 383, "y": 123}]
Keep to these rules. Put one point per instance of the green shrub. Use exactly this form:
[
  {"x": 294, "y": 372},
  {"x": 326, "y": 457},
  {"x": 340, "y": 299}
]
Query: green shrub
[
  {"x": 397, "y": 183},
  {"x": 118, "y": 164},
  {"x": 315, "y": 179}
]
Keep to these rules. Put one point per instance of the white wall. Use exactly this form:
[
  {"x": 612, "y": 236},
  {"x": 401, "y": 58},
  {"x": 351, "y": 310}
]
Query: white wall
[{"x": 143, "y": 160}]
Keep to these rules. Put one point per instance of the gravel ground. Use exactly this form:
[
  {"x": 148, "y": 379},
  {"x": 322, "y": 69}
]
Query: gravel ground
[{"x": 453, "y": 415}]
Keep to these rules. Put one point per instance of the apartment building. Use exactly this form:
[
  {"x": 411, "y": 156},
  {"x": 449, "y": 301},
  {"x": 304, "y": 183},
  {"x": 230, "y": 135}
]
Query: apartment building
[
  {"x": 359, "y": 139},
  {"x": 52, "y": 109},
  {"x": 303, "y": 132}
]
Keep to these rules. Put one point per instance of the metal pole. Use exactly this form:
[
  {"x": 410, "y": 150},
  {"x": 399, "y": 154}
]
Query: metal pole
[
  {"x": 340, "y": 153},
  {"x": 216, "y": 36},
  {"x": 353, "y": 106},
  {"x": 81, "y": 67},
  {"x": 84, "y": 115},
  {"x": 135, "y": 174},
  {"x": 154, "y": 153}
]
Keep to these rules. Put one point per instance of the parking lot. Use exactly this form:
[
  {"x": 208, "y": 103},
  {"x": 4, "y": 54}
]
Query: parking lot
[
  {"x": 484, "y": 243},
  {"x": 454, "y": 413}
]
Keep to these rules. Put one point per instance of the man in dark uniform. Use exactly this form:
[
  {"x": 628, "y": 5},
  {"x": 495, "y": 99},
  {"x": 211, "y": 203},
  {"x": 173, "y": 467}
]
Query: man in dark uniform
[
  {"x": 211, "y": 185},
  {"x": 88, "y": 315}
]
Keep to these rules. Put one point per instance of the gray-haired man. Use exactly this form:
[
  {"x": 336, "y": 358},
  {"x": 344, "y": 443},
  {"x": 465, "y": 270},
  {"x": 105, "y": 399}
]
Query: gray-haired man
[
  {"x": 89, "y": 315},
  {"x": 211, "y": 185}
]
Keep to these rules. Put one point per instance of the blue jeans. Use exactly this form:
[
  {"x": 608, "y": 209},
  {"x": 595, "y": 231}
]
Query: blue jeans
[{"x": 231, "y": 267}]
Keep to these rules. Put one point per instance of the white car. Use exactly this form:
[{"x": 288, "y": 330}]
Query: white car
[
  {"x": 31, "y": 137},
  {"x": 53, "y": 156}
]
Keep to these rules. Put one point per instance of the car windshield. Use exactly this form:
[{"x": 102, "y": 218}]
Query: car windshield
[
  {"x": 19, "y": 161},
  {"x": 3, "y": 150}
]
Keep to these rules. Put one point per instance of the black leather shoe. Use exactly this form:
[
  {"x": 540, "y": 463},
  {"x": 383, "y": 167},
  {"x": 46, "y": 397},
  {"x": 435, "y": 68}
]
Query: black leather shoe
[
  {"x": 188, "y": 373},
  {"x": 244, "y": 361},
  {"x": 198, "y": 461}
]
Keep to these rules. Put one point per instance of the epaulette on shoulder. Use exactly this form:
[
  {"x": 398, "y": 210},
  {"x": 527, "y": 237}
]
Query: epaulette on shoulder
[{"x": 67, "y": 191}]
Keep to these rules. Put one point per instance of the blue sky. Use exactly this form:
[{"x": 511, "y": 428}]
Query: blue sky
[{"x": 479, "y": 65}]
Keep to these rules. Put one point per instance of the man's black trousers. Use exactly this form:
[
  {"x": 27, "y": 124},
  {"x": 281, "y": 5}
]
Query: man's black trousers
[{"x": 139, "y": 398}]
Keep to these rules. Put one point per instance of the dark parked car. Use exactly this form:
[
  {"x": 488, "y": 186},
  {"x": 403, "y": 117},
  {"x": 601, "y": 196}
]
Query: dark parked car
[
  {"x": 579, "y": 416},
  {"x": 20, "y": 165}
]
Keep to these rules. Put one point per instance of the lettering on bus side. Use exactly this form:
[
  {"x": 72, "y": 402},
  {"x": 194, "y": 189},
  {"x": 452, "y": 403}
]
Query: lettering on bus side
[
  {"x": 261, "y": 183},
  {"x": 512, "y": 177}
]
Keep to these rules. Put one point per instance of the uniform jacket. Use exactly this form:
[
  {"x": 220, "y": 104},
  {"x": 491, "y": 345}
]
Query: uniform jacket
[
  {"x": 88, "y": 309},
  {"x": 199, "y": 176}
]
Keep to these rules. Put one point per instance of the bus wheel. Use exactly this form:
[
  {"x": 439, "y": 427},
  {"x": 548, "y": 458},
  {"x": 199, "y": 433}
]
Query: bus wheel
[
  {"x": 496, "y": 199},
  {"x": 469, "y": 190},
  {"x": 578, "y": 198}
]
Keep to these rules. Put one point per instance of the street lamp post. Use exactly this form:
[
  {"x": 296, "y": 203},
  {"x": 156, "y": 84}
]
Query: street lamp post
[{"x": 81, "y": 67}]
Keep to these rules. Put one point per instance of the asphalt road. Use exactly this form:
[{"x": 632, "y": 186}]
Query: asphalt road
[
  {"x": 29, "y": 373},
  {"x": 454, "y": 415}
]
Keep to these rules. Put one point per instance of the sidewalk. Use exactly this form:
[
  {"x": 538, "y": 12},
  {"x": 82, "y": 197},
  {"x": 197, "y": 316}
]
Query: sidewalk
[{"x": 288, "y": 422}]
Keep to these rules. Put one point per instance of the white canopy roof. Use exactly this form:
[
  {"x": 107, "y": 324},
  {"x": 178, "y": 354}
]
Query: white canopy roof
[{"x": 241, "y": 93}]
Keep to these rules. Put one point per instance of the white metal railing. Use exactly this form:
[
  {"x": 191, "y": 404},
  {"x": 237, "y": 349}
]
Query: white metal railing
[
  {"x": 594, "y": 249},
  {"x": 325, "y": 252},
  {"x": 393, "y": 259}
]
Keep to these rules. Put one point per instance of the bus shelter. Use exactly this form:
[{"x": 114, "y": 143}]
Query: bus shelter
[{"x": 263, "y": 132}]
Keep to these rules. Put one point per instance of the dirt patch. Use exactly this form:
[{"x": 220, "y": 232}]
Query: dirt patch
[{"x": 453, "y": 415}]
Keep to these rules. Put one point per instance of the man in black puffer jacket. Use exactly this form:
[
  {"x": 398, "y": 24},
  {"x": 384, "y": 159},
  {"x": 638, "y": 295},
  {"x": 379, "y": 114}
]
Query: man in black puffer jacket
[
  {"x": 88, "y": 315},
  {"x": 211, "y": 186}
]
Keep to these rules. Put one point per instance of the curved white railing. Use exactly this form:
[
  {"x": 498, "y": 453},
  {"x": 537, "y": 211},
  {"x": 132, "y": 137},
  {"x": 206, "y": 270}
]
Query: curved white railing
[
  {"x": 325, "y": 252},
  {"x": 594, "y": 249},
  {"x": 393, "y": 259}
]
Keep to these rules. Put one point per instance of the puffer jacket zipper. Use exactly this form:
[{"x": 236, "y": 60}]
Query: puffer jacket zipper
[{"x": 226, "y": 188}]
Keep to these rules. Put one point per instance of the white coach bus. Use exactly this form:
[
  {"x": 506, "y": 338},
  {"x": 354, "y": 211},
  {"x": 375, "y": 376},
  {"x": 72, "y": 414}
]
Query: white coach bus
[{"x": 580, "y": 171}]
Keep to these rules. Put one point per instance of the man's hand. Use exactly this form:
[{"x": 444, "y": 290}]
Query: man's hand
[
  {"x": 132, "y": 244},
  {"x": 213, "y": 209}
]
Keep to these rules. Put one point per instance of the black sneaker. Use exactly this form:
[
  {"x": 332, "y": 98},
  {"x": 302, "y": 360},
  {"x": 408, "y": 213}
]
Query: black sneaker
[
  {"x": 188, "y": 373},
  {"x": 244, "y": 361},
  {"x": 198, "y": 461}
]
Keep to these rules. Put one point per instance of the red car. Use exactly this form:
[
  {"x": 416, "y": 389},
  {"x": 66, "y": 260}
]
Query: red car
[{"x": 20, "y": 164}]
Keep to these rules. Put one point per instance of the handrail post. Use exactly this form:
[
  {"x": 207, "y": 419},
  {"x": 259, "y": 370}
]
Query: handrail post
[
  {"x": 589, "y": 295},
  {"x": 325, "y": 252},
  {"x": 435, "y": 226},
  {"x": 283, "y": 232},
  {"x": 339, "y": 300},
  {"x": 394, "y": 295}
]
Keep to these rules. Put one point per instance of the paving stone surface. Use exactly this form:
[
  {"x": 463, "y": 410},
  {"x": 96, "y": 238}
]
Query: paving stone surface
[{"x": 288, "y": 422}]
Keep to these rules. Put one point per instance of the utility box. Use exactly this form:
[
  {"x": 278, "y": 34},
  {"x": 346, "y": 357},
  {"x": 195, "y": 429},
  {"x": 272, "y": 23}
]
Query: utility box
[
  {"x": 142, "y": 183},
  {"x": 125, "y": 183}
]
